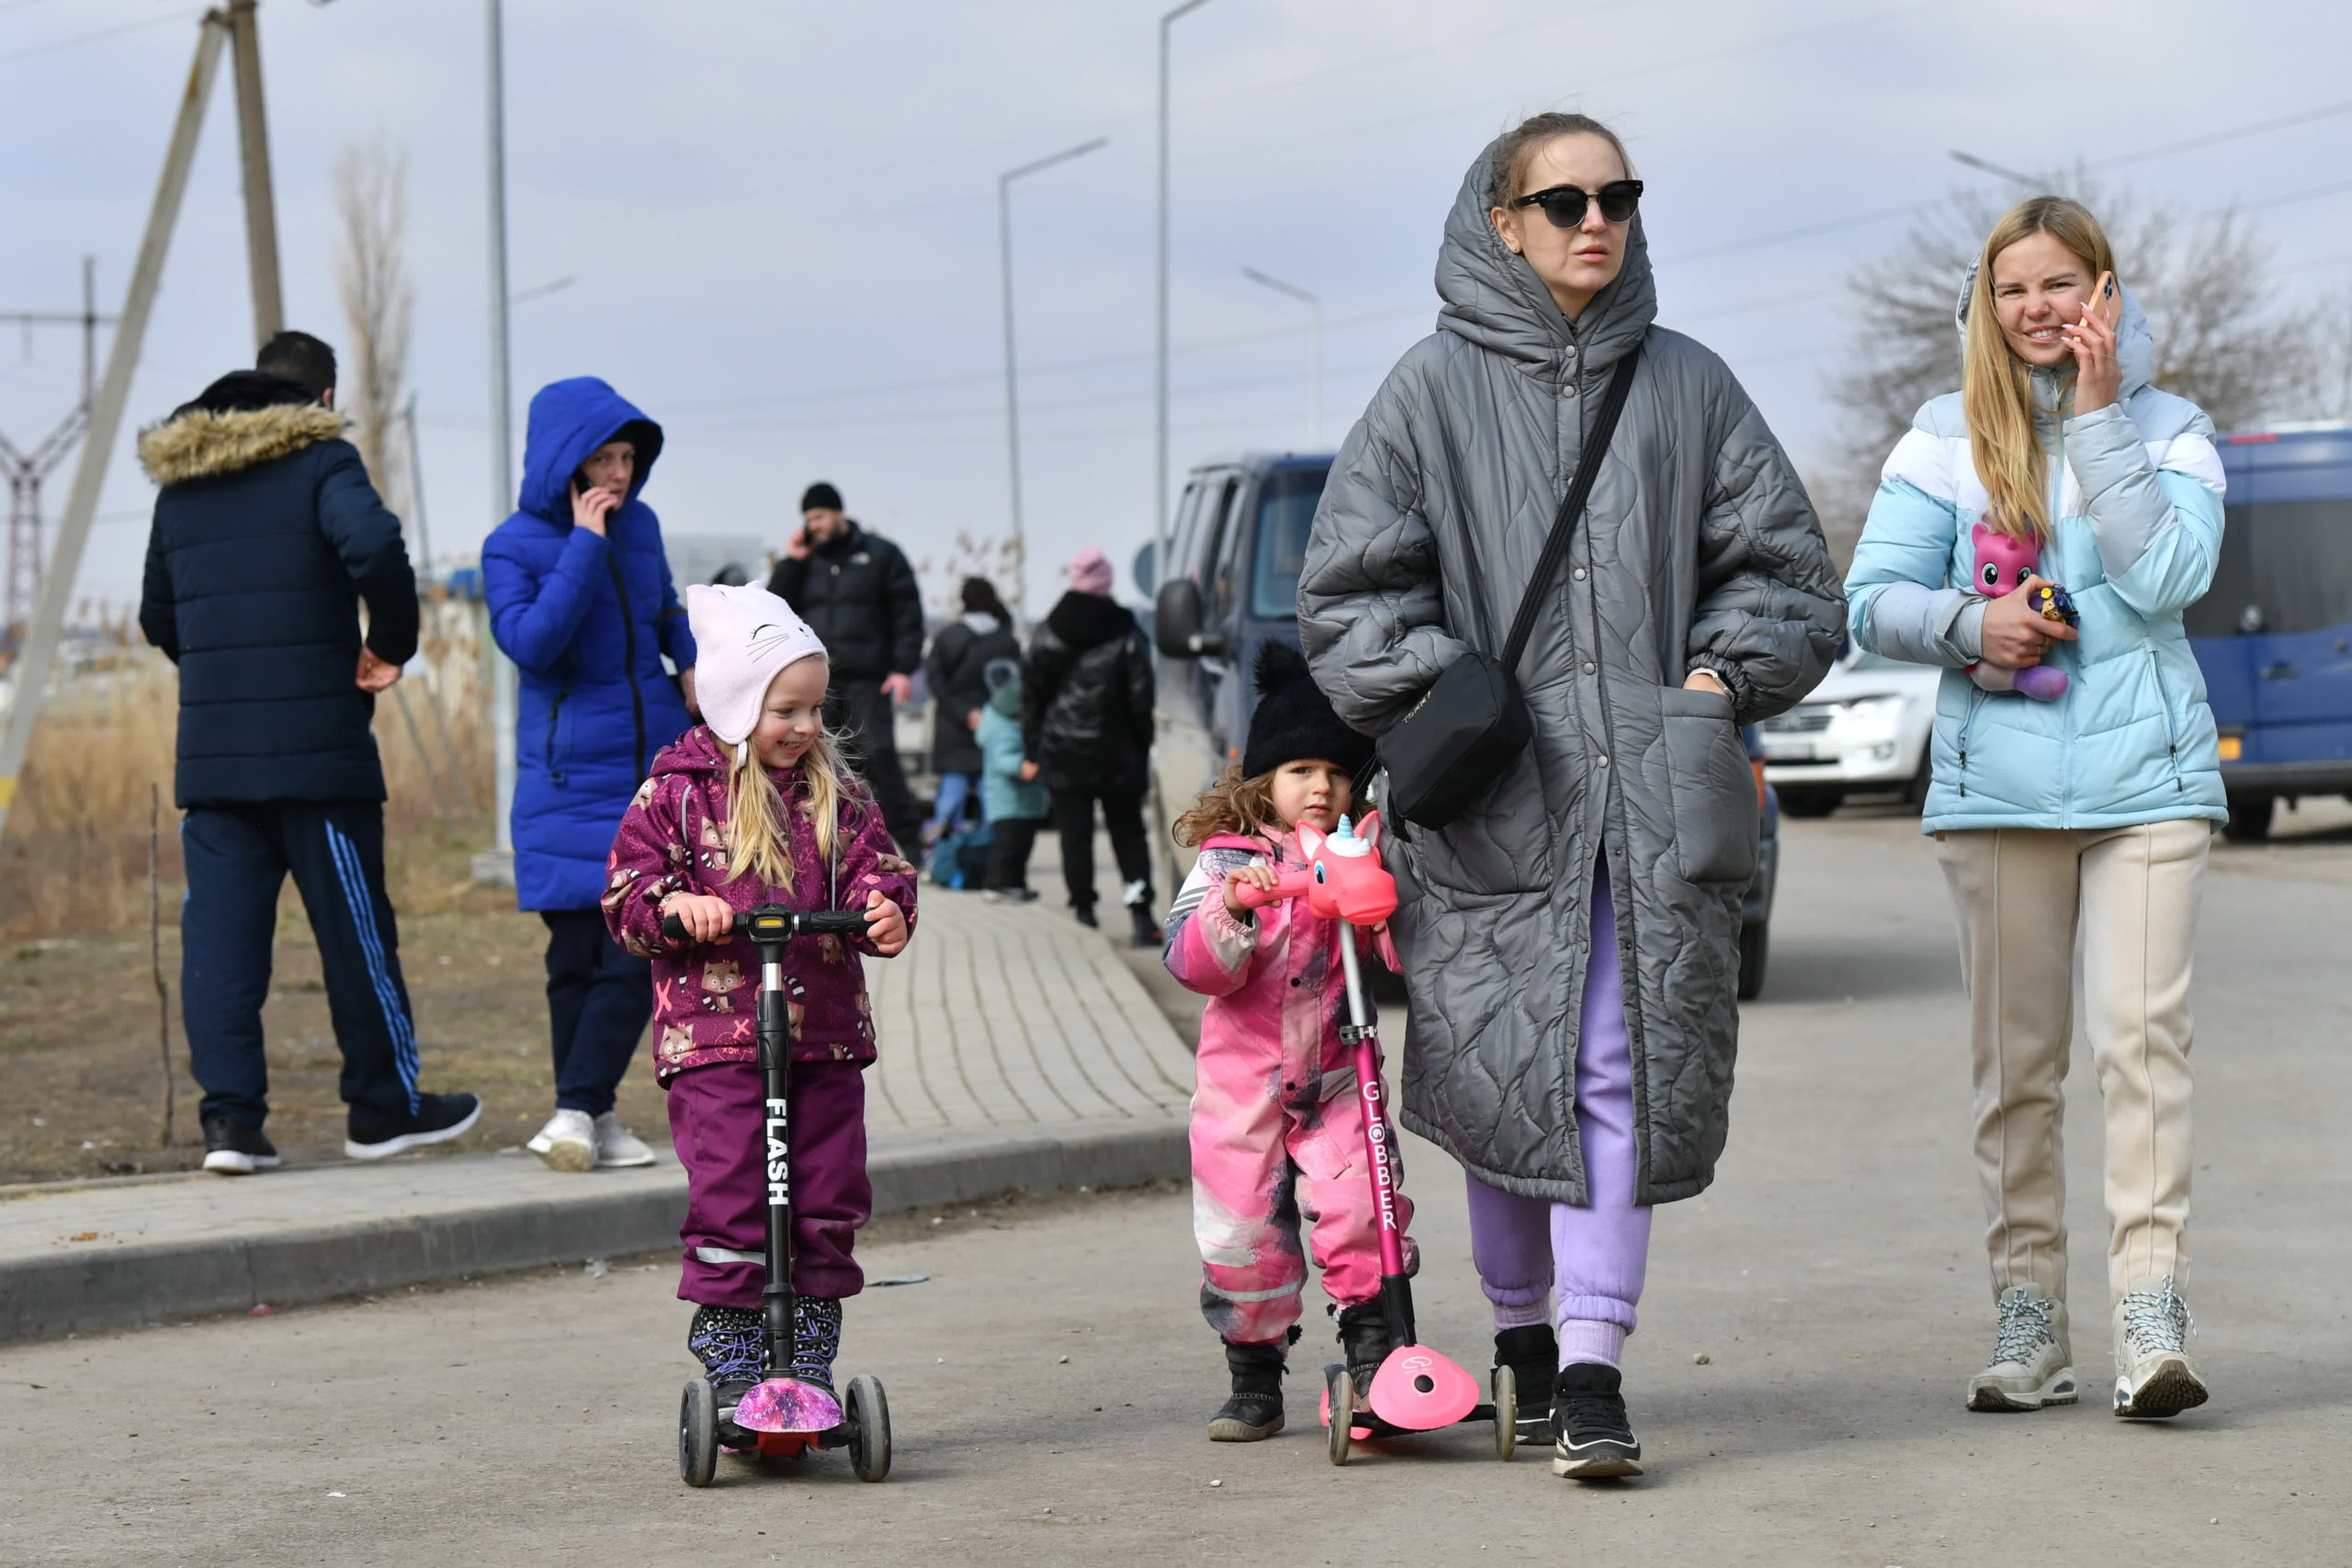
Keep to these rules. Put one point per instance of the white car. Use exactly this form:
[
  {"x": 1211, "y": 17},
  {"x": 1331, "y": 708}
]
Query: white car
[{"x": 1863, "y": 730}]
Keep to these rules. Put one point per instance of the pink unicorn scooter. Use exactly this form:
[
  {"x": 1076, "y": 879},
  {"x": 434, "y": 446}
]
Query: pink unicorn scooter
[{"x": 1416, "y": 1389}]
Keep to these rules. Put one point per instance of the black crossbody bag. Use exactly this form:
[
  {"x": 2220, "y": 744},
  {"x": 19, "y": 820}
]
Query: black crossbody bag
[{"x": 1459, "y": 740}]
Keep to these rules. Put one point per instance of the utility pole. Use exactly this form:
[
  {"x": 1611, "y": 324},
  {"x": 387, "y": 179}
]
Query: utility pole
[
  {"x": 498, "y": 866},
  {"x": 252, "y": 143},
  {"x": 1160, "y": 325},
  {"x": 1011, "y": 375},
  {"x": 26, "y": 470},
  {"x": 39, "y": 656}
]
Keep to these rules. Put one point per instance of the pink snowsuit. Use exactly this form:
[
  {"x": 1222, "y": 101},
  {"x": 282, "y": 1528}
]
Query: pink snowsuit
[{"x": 1277, "y": 1124}]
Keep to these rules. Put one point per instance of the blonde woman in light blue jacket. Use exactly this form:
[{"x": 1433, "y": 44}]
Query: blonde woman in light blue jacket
[{"x": 2088, "y": 813}]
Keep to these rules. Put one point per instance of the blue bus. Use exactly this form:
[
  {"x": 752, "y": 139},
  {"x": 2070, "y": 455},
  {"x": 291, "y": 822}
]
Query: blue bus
[{"x": 2274, "y": 634}]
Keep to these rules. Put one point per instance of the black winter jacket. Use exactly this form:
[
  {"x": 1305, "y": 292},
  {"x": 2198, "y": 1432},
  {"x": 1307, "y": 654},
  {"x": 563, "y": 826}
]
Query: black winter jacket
[
  {"x": 858, "y": 594},
  {"x": 267, "y": 538},
  {"x": 957, "y": 673},
  {"x": 1086, "y": 696}
]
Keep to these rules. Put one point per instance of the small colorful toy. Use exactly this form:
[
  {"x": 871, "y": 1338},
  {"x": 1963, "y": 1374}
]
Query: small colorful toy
[
  {"x": 1416, "y": 1389},
  {"x": 2005, "y": 563}
]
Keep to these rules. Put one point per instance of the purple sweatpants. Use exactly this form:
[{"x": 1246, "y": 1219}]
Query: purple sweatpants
[
  {"x": 1590, "y": 1259},
  {"x": 717, "y": 1125}
]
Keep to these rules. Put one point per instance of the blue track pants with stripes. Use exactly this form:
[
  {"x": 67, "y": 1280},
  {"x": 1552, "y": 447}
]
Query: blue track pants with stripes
[{"x": 239, "y": 855}]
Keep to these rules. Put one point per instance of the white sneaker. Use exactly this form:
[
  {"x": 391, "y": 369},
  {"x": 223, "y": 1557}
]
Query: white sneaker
[
  {"x": 2030, "y": 1357},
  {"x": 2153, "y": 1375},
  {"x": 567, "y": 1143},
  {"x": 616, "y": 1146}
]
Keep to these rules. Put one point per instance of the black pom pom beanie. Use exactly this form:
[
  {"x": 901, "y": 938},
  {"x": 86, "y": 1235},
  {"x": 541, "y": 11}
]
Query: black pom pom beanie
[{"x": 1295, "y": 720}]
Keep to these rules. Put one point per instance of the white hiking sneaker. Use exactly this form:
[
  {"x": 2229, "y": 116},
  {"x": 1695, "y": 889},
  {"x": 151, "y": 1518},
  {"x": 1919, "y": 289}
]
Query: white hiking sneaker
[
  {"x": 2153, "y": 1376},
  {"x": 616, "y": 1146},
  {"x": 567, "y": 1141},
  {"x": 2030, "y": 1358}
]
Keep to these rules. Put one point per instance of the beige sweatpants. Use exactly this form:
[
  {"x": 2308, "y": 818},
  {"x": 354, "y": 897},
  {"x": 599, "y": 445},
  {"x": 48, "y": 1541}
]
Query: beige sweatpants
[{"x": 2126, "y": 899}]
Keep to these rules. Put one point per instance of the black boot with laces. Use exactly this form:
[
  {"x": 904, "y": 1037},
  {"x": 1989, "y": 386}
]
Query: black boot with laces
[
  {"x": 1254, "y": 1411},
  {"x": 1592, "y": 1440},
  {"x": 816, "y": 1339},
  {"x": 731, "y": 1344},
  {"x": 1533, "y": 1354}
]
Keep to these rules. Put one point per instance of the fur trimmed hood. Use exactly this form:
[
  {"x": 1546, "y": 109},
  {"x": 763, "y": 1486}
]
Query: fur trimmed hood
[{"x": 240, "y": 422}]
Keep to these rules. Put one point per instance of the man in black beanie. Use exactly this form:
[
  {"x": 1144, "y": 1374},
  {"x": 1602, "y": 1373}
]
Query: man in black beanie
[{"x": 857, "y": 593}]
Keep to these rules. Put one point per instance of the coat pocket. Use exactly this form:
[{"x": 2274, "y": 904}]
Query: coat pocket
[{"x": 1713, "y": 788}]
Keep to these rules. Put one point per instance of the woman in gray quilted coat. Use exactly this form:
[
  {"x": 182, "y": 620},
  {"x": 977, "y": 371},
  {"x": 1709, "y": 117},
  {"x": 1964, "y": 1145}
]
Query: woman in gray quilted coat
[{"x": 1569, "y": 941}]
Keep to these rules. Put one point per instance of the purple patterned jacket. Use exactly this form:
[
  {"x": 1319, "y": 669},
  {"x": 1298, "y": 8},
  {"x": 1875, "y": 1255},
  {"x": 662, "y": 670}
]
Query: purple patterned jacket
[{"x": 676, "y": 838}]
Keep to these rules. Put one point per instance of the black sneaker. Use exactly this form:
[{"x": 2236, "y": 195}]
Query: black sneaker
[
  {"x": 370, "y": 1134},
  {"x": 1591, "y": 1438},
  {"x": 1083, "y": 914},
  {"x": 1146, "y": 930},
  {"x": 1254, "y": 1411},
  {"x": 232, "y": 1148},
  {"x": 1533, "y": 1354}
]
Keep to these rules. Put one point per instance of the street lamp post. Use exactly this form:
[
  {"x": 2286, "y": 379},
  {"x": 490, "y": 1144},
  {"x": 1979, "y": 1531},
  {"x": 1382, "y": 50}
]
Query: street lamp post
[
  {"x": 1012, "y": 374},
  {"x": 502, "y": 450},
  {"x": 1160, "y": 402},
  {"x": 1314, "y": 354}
]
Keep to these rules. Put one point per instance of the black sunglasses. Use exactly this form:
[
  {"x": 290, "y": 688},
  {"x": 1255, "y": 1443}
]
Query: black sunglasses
[{"x": 1564, "y": 204}]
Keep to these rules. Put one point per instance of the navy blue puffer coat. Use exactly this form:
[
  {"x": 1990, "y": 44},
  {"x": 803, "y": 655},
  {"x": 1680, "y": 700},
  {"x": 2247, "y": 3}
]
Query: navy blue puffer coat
[
  {"x": 267, "y": 538},
  {"x": 587, "y": 619}
]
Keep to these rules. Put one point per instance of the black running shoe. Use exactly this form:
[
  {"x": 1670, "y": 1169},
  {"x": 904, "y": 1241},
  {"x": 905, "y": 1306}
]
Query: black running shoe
[
  {"x": 1591, "y": 1438},
  {"x": 231, "y": 1149},
  {"x": 1533, "y": 1354},
  {"x": 372, "y": 1135}
]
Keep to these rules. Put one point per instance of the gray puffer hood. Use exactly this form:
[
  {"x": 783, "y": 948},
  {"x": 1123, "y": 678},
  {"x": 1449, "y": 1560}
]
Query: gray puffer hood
[
  {"x": 1494, "y": 298},
  {"x": 2135, "y": 346}
]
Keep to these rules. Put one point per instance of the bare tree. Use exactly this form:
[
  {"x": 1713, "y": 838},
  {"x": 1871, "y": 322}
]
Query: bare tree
[
  {"x": 2204, "y": 278},
  {"x": 371, "y": 194}
]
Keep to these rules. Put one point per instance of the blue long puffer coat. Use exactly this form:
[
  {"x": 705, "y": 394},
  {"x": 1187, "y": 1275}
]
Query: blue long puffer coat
[{"x": 587, "y": 619}]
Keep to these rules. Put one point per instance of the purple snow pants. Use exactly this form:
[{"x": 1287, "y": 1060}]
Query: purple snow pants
[
  {"x": 1591, "y": 1258},
  {"x": 717, "y": 1125}
]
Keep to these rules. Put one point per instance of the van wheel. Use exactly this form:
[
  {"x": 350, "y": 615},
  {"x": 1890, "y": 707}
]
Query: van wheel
[
  {"x": 1810, "y": 800},
  {"x": 1755, "y": 945},
  {"x": 2249, "y": 820}
]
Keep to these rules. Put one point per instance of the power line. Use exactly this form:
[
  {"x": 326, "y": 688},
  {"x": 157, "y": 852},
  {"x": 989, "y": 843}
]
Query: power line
[{"x": 55, "y": 44}]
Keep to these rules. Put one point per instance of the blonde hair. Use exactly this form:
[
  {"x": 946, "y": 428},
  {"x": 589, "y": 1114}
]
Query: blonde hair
[
  {"x": 1997, "y": 386},
  {"x": 760, "y": 844},
  {"x": 1232, "y": 804}
]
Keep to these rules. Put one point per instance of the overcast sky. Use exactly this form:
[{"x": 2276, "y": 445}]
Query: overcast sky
[{"x": 781, "y": 215}]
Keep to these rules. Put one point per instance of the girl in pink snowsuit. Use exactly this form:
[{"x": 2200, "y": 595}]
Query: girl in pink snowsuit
[{"x": 1277, "y": 1125}]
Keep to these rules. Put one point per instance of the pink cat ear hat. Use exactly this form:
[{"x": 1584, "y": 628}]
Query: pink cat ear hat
[{"x": 742, "y": 638}]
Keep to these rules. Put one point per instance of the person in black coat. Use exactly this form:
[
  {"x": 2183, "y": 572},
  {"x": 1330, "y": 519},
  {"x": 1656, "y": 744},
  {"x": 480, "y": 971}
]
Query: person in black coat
[
  {"x": 857, "y": 593},
  {"x": 267, "y": 538},
  {"x": 957, "y": 671},
  {"x": 1086, "y": 698}
]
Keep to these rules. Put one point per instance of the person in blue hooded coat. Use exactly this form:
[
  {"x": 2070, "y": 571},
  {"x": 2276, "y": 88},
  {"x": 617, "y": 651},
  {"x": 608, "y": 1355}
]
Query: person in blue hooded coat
[{"x": 580, "y": 600}]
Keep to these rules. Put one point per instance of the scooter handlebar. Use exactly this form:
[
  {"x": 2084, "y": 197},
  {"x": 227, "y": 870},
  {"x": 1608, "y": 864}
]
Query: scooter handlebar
[{"x": 772, "y": 922}]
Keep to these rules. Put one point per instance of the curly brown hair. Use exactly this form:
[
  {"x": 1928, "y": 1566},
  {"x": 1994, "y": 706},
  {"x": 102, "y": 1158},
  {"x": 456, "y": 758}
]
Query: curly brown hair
[{"x": 1232, "y": 804}]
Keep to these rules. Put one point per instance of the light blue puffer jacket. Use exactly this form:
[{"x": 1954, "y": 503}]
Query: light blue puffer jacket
[{"x": 2137, "y": 488}]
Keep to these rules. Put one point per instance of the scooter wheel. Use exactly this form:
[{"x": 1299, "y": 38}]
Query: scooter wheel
[
  {"x": 697, "y": 1433},
  {"x": 1343, "y": 1392},
  {"x": 869, "y": 1429},
  {"x": 1506, "y": 1414}
]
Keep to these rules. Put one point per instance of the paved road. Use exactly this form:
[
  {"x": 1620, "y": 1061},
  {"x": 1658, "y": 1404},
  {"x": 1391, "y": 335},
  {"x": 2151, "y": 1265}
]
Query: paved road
[{"x": 1051, "y": 1378}]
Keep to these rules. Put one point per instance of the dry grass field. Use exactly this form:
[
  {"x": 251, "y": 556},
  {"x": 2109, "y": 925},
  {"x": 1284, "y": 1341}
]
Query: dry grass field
[{"x": 82, "y": 1076}]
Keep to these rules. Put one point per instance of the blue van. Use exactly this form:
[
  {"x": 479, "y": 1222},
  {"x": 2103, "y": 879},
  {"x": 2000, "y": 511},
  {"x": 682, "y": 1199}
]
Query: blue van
[
  {"x": 2274, "y": 634},
  {"x": 1236, "y": 544}
]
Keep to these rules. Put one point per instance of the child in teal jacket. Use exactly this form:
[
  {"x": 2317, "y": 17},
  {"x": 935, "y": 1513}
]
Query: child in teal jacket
[{"x": 1016, "y": 803}]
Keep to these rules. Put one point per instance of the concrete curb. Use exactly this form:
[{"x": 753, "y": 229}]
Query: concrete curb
[{"x": 46, "y": 1296}]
